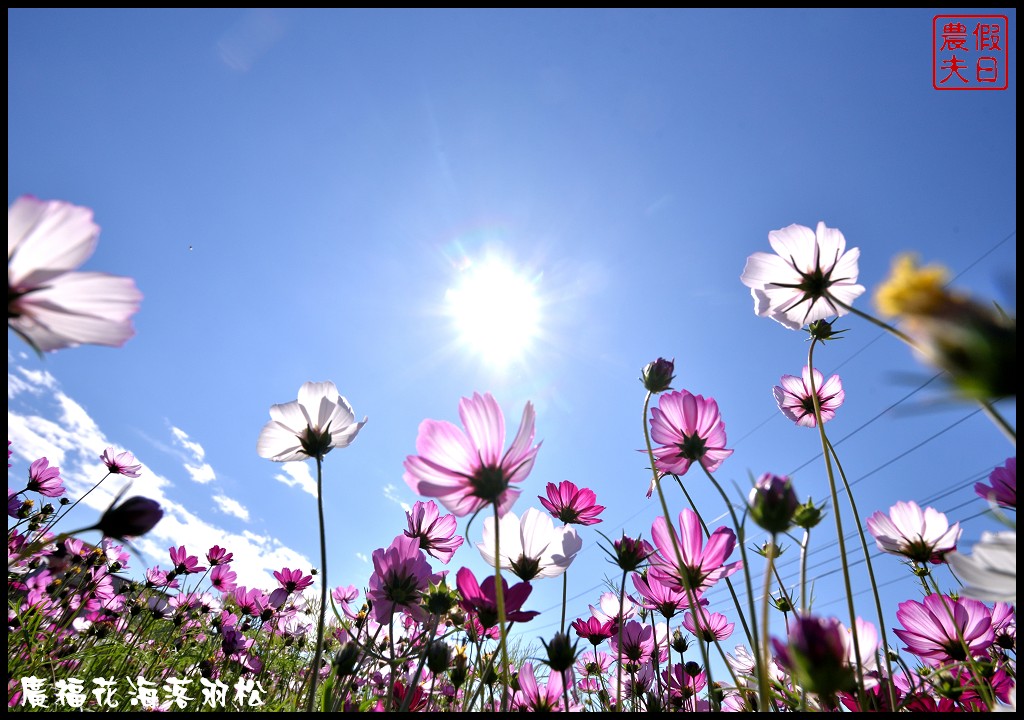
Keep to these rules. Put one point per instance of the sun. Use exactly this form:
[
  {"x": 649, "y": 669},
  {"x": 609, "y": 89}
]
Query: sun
[{"x": 496, "y": 311}]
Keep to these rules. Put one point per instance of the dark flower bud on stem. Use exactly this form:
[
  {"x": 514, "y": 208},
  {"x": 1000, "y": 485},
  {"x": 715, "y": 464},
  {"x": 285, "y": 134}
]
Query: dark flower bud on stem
[{"x": 657, "y": 376}]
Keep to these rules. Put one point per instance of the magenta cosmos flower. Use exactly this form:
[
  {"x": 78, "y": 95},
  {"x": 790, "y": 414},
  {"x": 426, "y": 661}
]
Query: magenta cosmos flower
[
  {"x": 44, "y": 479},
  {"x": 466, "y": 470},
  {"x": 435, "y": 532},
  {"x": 1003, "y": 488},
  {"x": 310, "y": 427},
  {"x": 401, "y": 574},
  {"x": 481, "y": 599},
  {"x": 807, "y": 278},
  {"x": 930, "y": 634},
  {"x": 919, "y": 535},
  {"x": 120, "y": 463},
  {"x": 689, "y": 429},
  {"x": 184, "y": 564},
  {"x": 293, "y": 580},
  {"x": 796, "y": 401},
  {"x": 703, "y": 566},
  {"x": 48, "y": 305},
  {"x": 571, "y": 505}
]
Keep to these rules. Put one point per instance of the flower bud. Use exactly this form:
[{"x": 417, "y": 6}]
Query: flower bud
[
  {"x": 657, "y": 376},
  {"x": 134, "y": 517},
  {"x": 346, "y": 659},
  {"x": 808, "y": 515},
  {"x": 816, "y": 655},
  {"x": 773, "y": 502},
  {"x": 561, "y": 652},
  {"x": 631, "y": 553},
  {"x": 438, "y": 656}
]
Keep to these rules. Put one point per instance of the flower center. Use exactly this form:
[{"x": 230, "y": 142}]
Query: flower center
[
  {"x": 526, "y": 568},
  {"x": 815, "y": 283},
  {"x": 316, "y": 443},
  {"x": 692, "y": 447},
  {"x": 489, "y": 483},
  {"x": 401, "y": 589}
]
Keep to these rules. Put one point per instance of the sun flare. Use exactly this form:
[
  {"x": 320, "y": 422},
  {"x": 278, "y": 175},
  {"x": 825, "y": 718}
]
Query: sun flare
[{"x": 496, "y": 311}]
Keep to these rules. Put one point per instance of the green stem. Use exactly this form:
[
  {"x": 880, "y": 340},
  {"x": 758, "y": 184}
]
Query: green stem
[
  {"x": 565, "y": 592},
  {"x": 762, "y": 678},
  {"x": 761, "y": 668},
  {"x": 315, "y": 678},
  {"x": 871, "y": 575},
  {"x": 621, "y": 621},
  {"x": 835, "y": 511},
  {"x": 690, "y": 595},
  {"x": 499, "y": 593},
  {"x": 751, "y": 637},
  {"x": 999, "y": 421},
  {"x": 804, "y": 543}
]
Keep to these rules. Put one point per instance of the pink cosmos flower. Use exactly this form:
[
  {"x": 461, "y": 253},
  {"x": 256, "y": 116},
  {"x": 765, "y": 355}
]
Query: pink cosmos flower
[
  {"x": 45, "y": 480},
  {"x": 708, "y": 626},
  {"x": 684, "y": 687},
  {"x": 930, "y": 634},
  {"x": 571, "y": 505},
  {"x": 702, "y": 566},
  {"x": 48, "y": 305},
  {"x": 1003, "y": 490},
  {"x": 593, "y": 629},
  {"x": 803, "y": 281},
  {"x": 637, "y": 642},
  {"x": 661, "y": 596},
  {"x": 436, "y": 533},
  {"x": 400, "y": 575},
  {"x": 218, "y": 556},
  {"x": 481, "y": 599},
  {"x": 251, "y": 602},
  {"x": 155, "y": 577},
  {"x": 310, "y": 427},
  {"x": 920, "y": 535},
  {"x": 531, "y": 697},
  {"x": 222, "y": 578},
  {"x": 344, "y": 596},
  {"x": 688, "y": 429},
  {"x": 796, "y": 401},
  {"x": 466, "y": 470},
  {"x": 184, "y": 564},
  {"x": 120, "y": 463},
  {"x": 293, "y": 580}
]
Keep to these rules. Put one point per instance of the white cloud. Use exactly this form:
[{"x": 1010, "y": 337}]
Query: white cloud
[
  {"x": 56, "y": 427},
  {"x": 391, "y": 493},
  {"x": 297, "y": 473},
  {"x": 200, "y": 472},
  {"x": 230, "y": 506},
  {"x": 364, "y": 557}
]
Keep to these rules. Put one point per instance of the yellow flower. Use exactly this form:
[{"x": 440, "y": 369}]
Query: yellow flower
[{"x": 913, "y": 290}]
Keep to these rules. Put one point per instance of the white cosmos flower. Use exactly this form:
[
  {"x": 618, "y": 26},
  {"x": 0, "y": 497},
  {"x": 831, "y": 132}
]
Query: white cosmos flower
[
  {"x": 801, "y": 283},
  {"x": 531, "y": 547},
  {"x": 989, "y": 572},
  {"x": 319, "y": 421},
  {"x": 48, "y": 305}
]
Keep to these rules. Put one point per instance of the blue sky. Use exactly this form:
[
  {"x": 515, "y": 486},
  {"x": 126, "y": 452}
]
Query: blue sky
[{"x": 296, "y": 191}]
